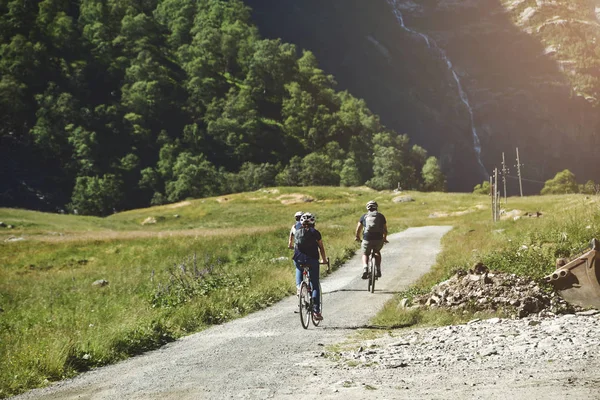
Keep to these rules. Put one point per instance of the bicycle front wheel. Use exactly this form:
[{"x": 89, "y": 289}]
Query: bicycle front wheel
[
  {"x": 305, "y": 299},
  {"x": 317, "y": 321}
]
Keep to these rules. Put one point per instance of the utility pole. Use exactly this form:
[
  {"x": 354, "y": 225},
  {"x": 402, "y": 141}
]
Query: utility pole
[
  {"x": 519, "y": 165},
  {"x": 493, "y": 196},
  {"x": 496, "y": 197},
  {"x": 504, "y": 173}
]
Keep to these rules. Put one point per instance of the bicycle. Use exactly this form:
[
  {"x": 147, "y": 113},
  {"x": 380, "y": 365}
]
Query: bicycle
[
  {"x": 306, "y": 302},
  {"x": 372, "y": 270}
]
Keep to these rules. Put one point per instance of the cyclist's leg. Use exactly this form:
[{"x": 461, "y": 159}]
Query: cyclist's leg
[
  {"x": 365, "y": 257},
  {"x": 314, "y": 280},
  {"x": 377, "y": 245},
  {"x": 377, "y": 257},
  {"x": 365, "y": 248},
  {"x": 298, "y": 275}
]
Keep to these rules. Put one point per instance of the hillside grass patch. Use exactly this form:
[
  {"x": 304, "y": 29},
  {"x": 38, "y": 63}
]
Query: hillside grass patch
[{"x": 523, "y": 245}]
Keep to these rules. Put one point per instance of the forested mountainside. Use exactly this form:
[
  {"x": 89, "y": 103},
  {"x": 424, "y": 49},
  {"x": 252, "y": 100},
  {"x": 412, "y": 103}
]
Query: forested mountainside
[
  {"x": 114, "y": 104},
  {"x": 468, "y": 79}
]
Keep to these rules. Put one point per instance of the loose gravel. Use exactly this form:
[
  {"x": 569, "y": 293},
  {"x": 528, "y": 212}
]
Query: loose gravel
[
  {"x": 553, "y": 357},
  {"x": 531, "y": 341}
]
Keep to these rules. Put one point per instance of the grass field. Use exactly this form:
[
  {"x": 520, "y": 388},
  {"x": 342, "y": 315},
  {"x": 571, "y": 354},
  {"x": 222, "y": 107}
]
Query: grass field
[{"x": 206, "y": 261}]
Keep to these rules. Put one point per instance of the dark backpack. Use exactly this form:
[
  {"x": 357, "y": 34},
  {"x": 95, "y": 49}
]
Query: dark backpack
[
  {"x": 301, "y": 237},
  {"x": 373, "y": 223}
]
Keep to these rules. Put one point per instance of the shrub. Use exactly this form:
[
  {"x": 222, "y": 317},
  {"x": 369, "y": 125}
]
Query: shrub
[
  {"x": 563, "y": 182},
  {"x": 94, "y": 195},
  {"x": 482, "y": 188}
]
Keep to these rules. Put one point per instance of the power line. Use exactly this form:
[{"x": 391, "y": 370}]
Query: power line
[{"x": 525, "y": 179}]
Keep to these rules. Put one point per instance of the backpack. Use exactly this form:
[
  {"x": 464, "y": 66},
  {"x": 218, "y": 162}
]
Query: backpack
[
  {"x": 301, "y": 237},
  {"x": 373, "y": 223}
]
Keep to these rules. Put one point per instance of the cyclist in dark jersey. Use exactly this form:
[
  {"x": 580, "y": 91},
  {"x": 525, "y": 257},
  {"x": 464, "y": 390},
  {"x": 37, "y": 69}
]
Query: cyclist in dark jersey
[
  {"x": 373, "y": 226},
  {"x": 309, "y": 245}
]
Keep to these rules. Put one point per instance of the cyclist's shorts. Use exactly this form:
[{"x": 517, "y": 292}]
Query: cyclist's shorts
[{"x": 368, "y": 245}]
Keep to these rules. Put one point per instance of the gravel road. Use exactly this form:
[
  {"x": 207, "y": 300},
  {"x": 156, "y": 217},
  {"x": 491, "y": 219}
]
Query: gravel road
[{"x": 269, "y": 355}]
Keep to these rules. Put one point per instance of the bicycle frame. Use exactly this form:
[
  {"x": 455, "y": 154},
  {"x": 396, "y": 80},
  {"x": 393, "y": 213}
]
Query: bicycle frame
[
  {"x": 306, "y": 301},
  {"x": 371, "y": 269},
  {"x": 306, "y": 275}
]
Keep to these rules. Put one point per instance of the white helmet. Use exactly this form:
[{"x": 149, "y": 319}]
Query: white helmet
[
  {"x": 372, "y": 205},
  {"x": 307, "y": 218},
  {"x": 298, "y": 215}
]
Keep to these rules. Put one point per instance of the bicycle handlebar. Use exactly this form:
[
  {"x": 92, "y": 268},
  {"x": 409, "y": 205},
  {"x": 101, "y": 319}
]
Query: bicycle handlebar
[{"x": 325, "y": 263}]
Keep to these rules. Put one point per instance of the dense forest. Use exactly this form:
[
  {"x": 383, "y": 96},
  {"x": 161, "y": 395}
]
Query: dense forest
[{"x": 116, "y": 104}]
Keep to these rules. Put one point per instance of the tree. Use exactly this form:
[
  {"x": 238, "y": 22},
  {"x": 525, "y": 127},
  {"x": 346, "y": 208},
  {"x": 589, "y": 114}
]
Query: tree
[
  {"x": 417, "y": 159},
  {"x": 314, "y": 80},
  {"x": 298, "y": 111},
  {"x": 95, "y": 22},
  {"x": 317, "y": 170},
  {"x": 84, "y": 145},
  {"x": 434, "y": 179},
  {"x": 291, "y": 175},
  {"x": 251, "y": 177},
  {"x": 391, "y": 162},
  {"x": 589, "y": 187},
  {"x": 273, "y": 65},
  {"x": 482, "y": 188},
  {"x": 177, "y": 16},
  {"x": 193, "y": 176},
  {"x": 350, "y": 175},
  {"x": 563, "y": 182},
  {"x": 57, "y": 26},
  {"x": 13, "y": 106},
  {"x": 95, "y": 195},
  {"x": 56, "y": 110}
]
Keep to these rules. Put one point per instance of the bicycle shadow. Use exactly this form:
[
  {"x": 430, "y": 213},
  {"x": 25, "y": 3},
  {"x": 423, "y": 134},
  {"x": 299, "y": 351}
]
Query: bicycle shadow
[
  {"x": 366, "y": 326},
  {"x": 362, "y": 290}
]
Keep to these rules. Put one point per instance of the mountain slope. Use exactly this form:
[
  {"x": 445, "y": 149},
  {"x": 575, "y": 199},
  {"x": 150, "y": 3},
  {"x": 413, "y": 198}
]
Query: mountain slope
[
  {"x": 527, "y": 69},
  {"x": 370, "y": 55}
]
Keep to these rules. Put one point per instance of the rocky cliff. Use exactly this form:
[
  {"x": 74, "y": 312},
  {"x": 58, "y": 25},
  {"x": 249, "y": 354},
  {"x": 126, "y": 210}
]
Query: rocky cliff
[{"x": 466, "y": 79}]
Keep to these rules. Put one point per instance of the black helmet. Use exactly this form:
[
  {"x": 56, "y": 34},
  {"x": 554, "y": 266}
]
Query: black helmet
[{"x": 372, "y": 205}]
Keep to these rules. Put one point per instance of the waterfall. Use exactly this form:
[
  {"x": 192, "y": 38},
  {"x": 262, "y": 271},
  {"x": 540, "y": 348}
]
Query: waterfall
[{"x": 462, "y": 94}]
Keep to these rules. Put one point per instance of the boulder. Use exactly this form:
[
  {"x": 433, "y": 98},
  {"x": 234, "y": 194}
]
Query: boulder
[
  {"x": 149, "y": 220},
  {"x": 100, "y": 283},
  {"x": 402, "y": 199}
]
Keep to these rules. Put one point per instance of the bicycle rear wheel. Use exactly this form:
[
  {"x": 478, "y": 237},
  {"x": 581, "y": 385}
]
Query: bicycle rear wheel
[
  {"x": 316, "y": 322},
  {"x": 372, "y": 273},
  {"x": 305, "y": 300},
  {"x": 369, "y": 280}
]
